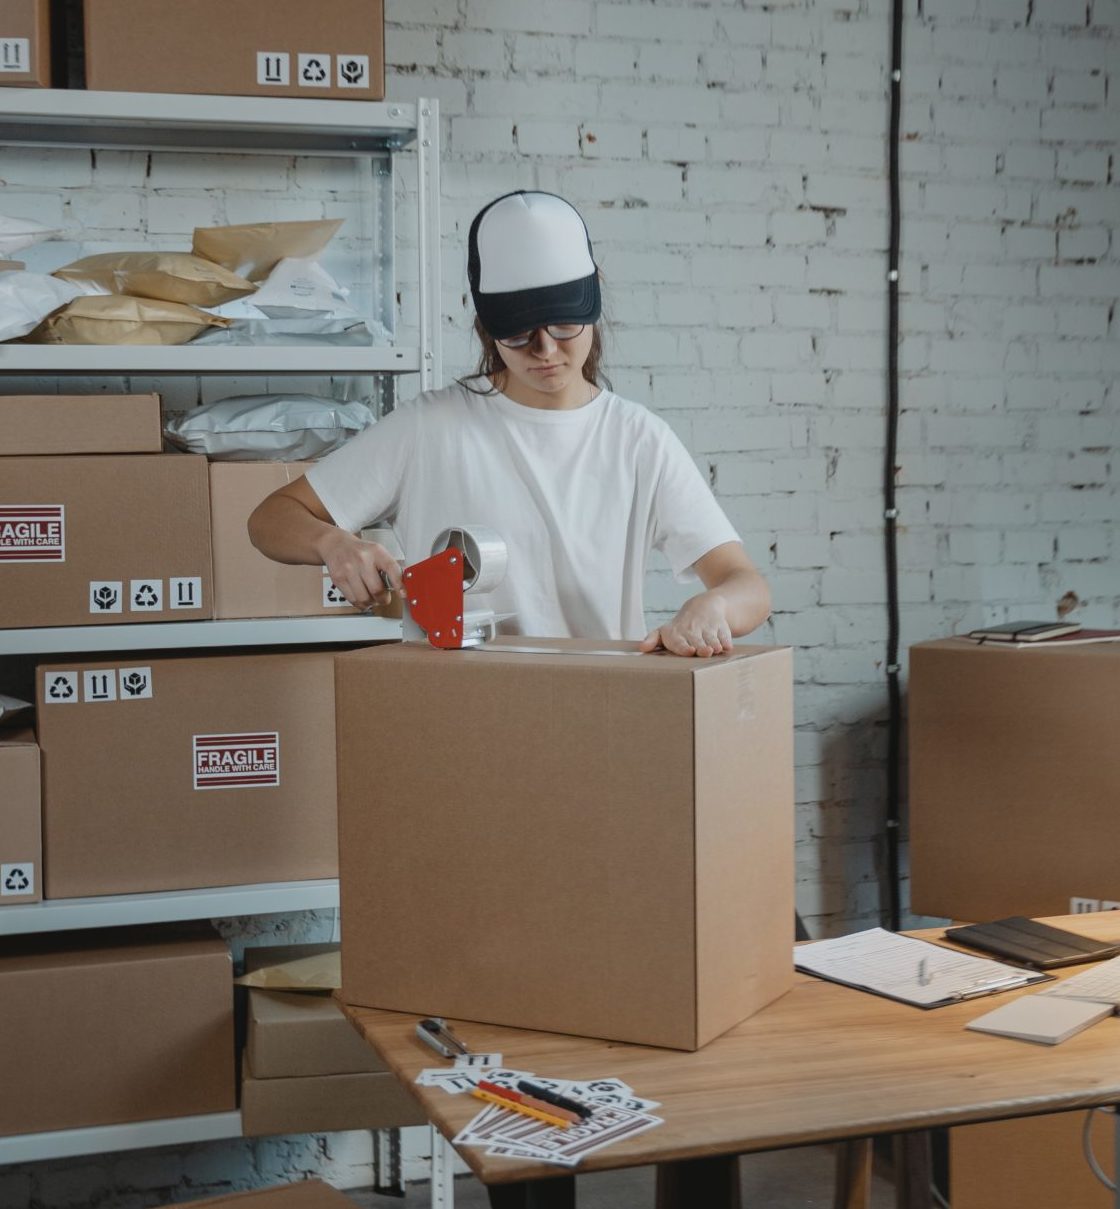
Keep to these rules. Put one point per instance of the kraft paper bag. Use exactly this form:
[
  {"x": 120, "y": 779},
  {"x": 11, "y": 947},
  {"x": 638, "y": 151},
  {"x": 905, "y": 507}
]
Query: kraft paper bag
[
  {"x": 253, "y": 250},
  {"x": 169, "y": 276},
  {"x": 116, "y": 319},
  {"x": 321, "y": 972}
]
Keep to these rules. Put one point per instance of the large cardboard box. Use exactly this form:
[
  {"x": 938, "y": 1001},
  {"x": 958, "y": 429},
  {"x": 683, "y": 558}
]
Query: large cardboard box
[
  {"x": 298, "y": 1033},
  {"x": 53, "y": 424},
  {"x": 1032, "y": 1163},
  {"x": 1014, "y": 766},
  {"x": 104, "y": 540},
  {"x": 187, "y": 771},
  {"x": 308, "y": 1194},
  {"x": 246, "y": 583},
  {"x": 335, "y": 48},
  {"x": 582, "y": 843},
  {"x": 21, "y": 841},
  {"x": 325, "y": 1103},
  {"x": 25, "y": 44},
  {"x": 125, "y": 1024}
]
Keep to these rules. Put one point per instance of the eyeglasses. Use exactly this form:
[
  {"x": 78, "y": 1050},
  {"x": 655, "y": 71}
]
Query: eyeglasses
[{"x": 558, "y": 331}]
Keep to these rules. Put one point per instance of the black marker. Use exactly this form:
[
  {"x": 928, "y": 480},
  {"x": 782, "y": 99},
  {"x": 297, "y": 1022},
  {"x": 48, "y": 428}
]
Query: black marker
[{"x": 550, "y": 1097}]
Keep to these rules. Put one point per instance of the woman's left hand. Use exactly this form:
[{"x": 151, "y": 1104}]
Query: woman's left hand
[{"x": 700, "y": 628}]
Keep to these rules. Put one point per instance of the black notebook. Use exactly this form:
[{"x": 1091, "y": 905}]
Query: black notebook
[{"x": 1026, "y": 940}]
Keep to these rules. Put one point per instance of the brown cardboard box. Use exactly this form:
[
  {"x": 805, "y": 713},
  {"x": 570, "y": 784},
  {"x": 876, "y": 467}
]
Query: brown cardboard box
[
  {"x": 580, "y": 843},
  {"x": 52, "y": 424},
  {"x": 21, "y": 841},
  {"x": 1013, "y": 772},
  {"x": 1033, "y": 1163},
  {"x": 324, "y": 1103},
  {"x": 125, "y": 1024},
  {"x": 297, "y": 1033},
  {"x": 246, "y": 583},
  {"x": 25, "y": 44},
  {"x": 335, "y": 48},
  {"x": 104, "y": 540},
  {"x": 173, "y": 773},
  {"x": 308, "y": 1194}
]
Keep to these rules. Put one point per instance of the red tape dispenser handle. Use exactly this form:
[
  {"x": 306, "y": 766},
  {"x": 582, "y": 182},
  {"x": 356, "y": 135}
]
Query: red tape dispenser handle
[{"x": 434, "y": 589}]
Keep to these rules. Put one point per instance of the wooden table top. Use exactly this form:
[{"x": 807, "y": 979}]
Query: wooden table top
[{"x": 823, "y": 1063}]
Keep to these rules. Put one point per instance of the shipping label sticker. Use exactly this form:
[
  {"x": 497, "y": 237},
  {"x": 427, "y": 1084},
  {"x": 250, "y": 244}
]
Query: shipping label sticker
[
  {"x": 273, "y": 68},
  {"x": 185, "y": 591},
  {"x": 353, "y": 71},
  {"x": 313, "y": 71},
  {"x": 135, "y": 683},
  {"x": 15, "y": 54},
  {"x": 100, "y": 685},
  {"x": 332, "y": 596},
  {"x": 241, "y": 761},
  {"x": 145, "y": 595},
  {"x": 17, "y": 879},
  {"x": 32, "y": 533},
  {"x": 106, "y": 595},
  {"x": 60, "y": 687}
]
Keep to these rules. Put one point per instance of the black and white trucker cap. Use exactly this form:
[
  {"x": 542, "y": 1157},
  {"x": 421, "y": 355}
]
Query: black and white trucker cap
[{"x": 530, "y": 263}]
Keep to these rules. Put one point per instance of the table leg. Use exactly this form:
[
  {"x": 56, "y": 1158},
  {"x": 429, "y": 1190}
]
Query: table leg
[
  {"x": 443, "y": 1176},
  {"x": 1116, "y": 1155},
  {"x": 913, "y": 1171},
  {"x": 853, "y": 1175},
  {"x": 687, "y": 1183},
  {"x": 558, "y": 1193}
]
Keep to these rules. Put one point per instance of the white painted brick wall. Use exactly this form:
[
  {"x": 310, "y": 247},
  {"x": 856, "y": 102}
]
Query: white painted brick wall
[{"x": 730, "y": 163}]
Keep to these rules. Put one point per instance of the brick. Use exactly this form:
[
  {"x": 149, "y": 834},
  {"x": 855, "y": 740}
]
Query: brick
[
  {"x": 675, "y": 144},
  {"x": 571, "y": 17},
  {"x": 466, "y": 50},
  {"x": 481, "y": 136},
  {"x": 653, "y": 22},
  {"x": 611, "y": 141},
  {"x": 547, "y": 138}
]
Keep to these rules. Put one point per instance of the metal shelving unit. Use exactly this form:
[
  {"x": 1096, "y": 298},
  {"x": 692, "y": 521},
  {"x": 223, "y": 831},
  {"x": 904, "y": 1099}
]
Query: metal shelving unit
[{"x": 249, "y": 125}]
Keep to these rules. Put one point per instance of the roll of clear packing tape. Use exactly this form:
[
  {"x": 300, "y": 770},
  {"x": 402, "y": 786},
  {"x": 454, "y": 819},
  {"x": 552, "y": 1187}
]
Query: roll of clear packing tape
[{"x": 485, "y": 556}]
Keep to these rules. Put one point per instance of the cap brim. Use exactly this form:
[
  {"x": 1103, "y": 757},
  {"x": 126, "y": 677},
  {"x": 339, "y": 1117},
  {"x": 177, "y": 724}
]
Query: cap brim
[{"x": 519, "y": 311}]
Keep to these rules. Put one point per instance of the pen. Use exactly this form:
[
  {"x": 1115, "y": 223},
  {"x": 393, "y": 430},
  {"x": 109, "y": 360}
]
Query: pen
[
  {"x": 551, "y": 1097},
  {"x": 524, "y": 1109},
  {"x": 517, "y": 1097}
]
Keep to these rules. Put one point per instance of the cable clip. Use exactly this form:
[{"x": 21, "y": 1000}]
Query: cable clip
[{"x": 890, "y": 514}]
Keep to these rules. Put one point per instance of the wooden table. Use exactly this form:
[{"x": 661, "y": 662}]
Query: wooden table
[{"x": 822, "y": 1064}]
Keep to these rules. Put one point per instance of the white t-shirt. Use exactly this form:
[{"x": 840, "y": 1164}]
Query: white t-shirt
[{"x": 579, "y": 496}]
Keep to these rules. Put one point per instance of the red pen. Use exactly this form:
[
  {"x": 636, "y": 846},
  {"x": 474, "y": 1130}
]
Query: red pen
[{"x": 516, "y": 1097}]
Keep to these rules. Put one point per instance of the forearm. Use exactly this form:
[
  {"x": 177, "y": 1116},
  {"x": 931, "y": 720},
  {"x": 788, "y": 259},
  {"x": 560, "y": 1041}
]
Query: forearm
[
  {"x": 284, "y": 530},
  {"x": 745, "y": 597}
]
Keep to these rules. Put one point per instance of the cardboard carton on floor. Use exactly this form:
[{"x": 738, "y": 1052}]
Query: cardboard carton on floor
[
  {"x": 335, "y": 48},
  {"x": 582, "y": 843},
  {"x": 246, "y": 583},
  {"x": 104, "y": 540},
  {"x": 300, "y": 1033},
  {"x": 308, "y": 1194},
  {"x": 21, "y": 842},
  {"x": 1013, "y": 773},
  {"x": 55, "y": 424},
  {"x": 124, "y": 1024},
  {"x": 25, "y": 44},
  {"x": 186, "y": 771}
]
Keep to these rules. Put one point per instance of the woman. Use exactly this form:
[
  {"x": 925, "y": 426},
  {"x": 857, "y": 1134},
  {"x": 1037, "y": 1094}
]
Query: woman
[{"x": 580, "y": 483}]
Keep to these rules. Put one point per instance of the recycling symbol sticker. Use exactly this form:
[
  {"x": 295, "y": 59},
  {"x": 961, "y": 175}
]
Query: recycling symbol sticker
[
  {"x": 314, "y": 71},
  {"x": 61, "y": 686},
  {"x": 332, "y": 596},
  {"x": 145, "y": 595},
  {"x": 17, "y": 879}
]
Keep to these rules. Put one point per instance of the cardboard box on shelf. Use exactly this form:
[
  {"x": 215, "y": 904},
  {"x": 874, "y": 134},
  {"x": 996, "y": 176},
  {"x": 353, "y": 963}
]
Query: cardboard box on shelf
[
  {"x": 105, "y": 1027},
  {"x": 237, "y": 47},
  {"x": 587, "y": 844},
  {"x": 324, "y": 1103},
  {"x": 21, "y": 840},
  {"x": 104, "y": 540},
  {"x": 307, "y": 1194},
  {"x": 246, "y": 583},
  {"x": 177, "y": 772},
  {"x": 1013, "y": 775},
  {"x": 56, "y": 424},
  {"x": 25, "y": 44},
  {"x": 300, "y": 1033}
]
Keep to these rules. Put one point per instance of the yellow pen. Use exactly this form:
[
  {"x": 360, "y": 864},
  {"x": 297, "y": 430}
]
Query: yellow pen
[{"x": 524, "y": 1109}]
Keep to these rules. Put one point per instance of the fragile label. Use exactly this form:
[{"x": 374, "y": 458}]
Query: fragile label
[
  {"x": 236, "y": 761},
  {"x": 15, "y": 54},
  {"x": 32, "y": 533}
]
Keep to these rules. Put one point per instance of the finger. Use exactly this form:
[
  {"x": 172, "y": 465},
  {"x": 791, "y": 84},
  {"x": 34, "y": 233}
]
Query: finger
[
  {"x": 726, "y": 639},
  {"x": 677, "y": 643},
  {"x": 650, "y": 642}
]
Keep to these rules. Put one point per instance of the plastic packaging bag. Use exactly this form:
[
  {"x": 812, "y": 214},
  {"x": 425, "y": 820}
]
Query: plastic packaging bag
[
  {"x": 170, "y": 276},
  {"x": 267, "y": 428},
  {"x": 19, "y": 233},
  {"x": 298, "y": 288},
  {"x": 26, "y": 299}
]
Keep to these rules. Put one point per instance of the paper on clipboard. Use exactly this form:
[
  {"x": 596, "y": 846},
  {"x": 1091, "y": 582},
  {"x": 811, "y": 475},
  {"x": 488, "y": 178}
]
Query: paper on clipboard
[{"x": 907, "y": 969}]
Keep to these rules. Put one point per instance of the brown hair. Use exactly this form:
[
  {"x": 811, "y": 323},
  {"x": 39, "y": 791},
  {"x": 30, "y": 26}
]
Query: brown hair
[{"x": 491, "y": 368}]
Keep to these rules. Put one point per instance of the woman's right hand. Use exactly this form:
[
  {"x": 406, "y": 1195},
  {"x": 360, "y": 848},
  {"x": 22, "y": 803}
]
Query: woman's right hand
[{"x": 359, "y": 569}]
